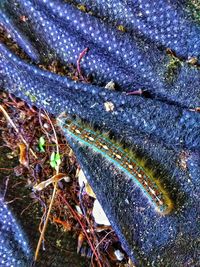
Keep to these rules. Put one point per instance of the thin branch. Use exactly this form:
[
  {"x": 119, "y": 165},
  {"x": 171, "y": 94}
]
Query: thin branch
[
  {"x": 85, "y": 232},
  {"x": 53, "y": 195},
  {"x": 16, "y": 129}
]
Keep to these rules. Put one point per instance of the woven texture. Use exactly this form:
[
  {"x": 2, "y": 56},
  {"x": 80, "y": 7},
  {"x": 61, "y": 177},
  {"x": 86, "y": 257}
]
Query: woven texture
[
  {"x": 14, "y": 249},
  {"x": 133, "y": 62},
  {"x": 160, "y": 128}
]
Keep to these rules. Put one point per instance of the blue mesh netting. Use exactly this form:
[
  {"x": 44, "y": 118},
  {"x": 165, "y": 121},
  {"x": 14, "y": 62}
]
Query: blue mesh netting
[
  {"x": 133, "y": 62},
  {"x": 14, "y": 249},
  {"x": 159, "y": 128}
]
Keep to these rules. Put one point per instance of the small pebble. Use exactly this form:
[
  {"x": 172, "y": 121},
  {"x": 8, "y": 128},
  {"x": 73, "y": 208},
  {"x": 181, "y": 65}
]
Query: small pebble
[
  {"x": 110, "y": 85},
  {"x": 119, "y": 255},
  {"x": 109, "y": 106}
]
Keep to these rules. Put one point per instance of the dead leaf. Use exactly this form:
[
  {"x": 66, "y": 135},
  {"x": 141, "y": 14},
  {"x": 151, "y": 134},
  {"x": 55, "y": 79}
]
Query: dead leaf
[
  {"x": 81, "y": 239},
  {"x": 23, "y": 155},
  {"x": 51, "y": 180}
]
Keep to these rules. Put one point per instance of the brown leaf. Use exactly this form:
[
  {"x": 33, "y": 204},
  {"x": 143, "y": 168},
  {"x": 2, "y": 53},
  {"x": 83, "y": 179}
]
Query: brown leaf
[
  {"x": 66, "y": 224},
  {"x": 51, "y": 180},
  {"x": 81, "y": 239},
  {"x": 23, "y": 155}
]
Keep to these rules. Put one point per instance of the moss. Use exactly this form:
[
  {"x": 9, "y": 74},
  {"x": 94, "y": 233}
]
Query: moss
[
  {"x": 32, "y": 97},
  {"x": 193, "y": 7},
  {"x": 81, "y": 7},
  {"x": 121, "y": 28},
  {"x": 172, "y": 69}
]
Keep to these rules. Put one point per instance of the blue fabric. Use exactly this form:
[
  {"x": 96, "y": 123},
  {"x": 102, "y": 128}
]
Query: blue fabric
[
  {"x": 14, "y": 249},
  {"x": 165, "y": 23},
  {"x": 63, "y": 32},
  {"x": 160, "y": 128}
]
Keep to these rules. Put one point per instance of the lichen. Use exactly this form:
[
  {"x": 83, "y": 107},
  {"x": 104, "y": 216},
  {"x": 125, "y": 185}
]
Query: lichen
[
  {"x": 172, "y": 69},
  {"x": 32, "y": 97}
]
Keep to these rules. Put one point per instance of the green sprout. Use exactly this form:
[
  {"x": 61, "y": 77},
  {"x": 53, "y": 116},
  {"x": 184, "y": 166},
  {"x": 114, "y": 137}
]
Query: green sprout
[
  {"x": 41, "y": 144},
  {"x": 55, "y": 160}
]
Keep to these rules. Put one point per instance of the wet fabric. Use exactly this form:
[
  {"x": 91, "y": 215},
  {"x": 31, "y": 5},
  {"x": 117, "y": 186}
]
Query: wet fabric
[{"x": 153, "y": 46}]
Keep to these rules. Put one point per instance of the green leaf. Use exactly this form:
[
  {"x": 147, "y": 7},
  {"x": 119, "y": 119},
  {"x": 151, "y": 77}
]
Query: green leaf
[
  {"x": 55, "y": 160},
  {"x": 53, "y": 164},
  {"x": 41, "y": 144},
  {"x": 52, "y": 156},
  {"x": 52, "y": 160}
]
